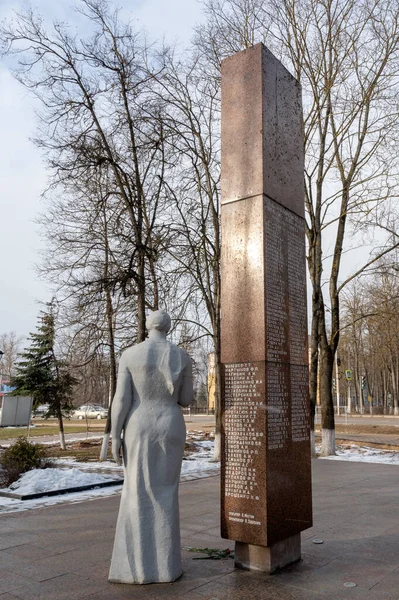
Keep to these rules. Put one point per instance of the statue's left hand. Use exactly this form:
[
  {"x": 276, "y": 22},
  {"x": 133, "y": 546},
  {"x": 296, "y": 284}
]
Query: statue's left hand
[{"x": 116, "y": 451}]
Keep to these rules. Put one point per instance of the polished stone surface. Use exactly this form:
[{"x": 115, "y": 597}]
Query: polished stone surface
[
  {"x": 266, "y": 481},
  {"x": 63, "y": 552},
  {"x": 262, "y": 147}
]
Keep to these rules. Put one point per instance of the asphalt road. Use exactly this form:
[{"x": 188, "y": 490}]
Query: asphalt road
[
  {"x": 389, "y": 421},
  {"x": 207, "y": 423}
]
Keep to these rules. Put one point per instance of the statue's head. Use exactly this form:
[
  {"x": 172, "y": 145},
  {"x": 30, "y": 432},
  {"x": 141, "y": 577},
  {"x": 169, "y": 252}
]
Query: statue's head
[{"x": 158, "y": 319}]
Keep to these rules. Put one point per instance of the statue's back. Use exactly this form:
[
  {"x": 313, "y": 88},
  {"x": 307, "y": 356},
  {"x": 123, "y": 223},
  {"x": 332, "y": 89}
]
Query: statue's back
[{"x": 147, "y": 542}]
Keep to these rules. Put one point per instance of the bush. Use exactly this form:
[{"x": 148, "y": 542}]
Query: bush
[{"x": 19, "y": 458}]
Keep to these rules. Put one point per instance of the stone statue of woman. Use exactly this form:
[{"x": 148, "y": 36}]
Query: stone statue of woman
[{"x": 154, "y": 378}]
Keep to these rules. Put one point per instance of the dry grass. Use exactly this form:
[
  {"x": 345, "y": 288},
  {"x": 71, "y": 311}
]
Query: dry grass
[
  {"x": 89, "y": 450},
  {"x": 82, "y": 451}
]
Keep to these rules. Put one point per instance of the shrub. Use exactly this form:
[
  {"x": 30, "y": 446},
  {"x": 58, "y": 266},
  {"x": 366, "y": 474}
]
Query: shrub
[{"x": 19, "y": 458}]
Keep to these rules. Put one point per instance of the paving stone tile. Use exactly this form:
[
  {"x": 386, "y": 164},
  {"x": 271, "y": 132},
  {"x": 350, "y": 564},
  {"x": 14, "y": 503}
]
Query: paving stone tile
[
  {"x": 65, "y": 587},
  {"x": 9, "y": 581},
  {"x": 356, "y": 594},
  {"x": 25, "y": 551},
  {"x": 204, "y": 570},
  {"x": 202, "y": 540},
  {"x": 9, "y": 540},
  {"x": 389, "y": 584},
  {"x": 39, "y": 570},
  {"x": 69, "y": 586},
  {"x": 329, "y": 549},
  {"x": 241, "y": 586},
  {"x": 193, "y": 527},
  {"x": 382, "y": 547},
  {"x": 366, "y": 573},
  {"x": 143, "y": 592},
  {"x": 72, "y": 544},
  {"x": 98, "y": 570},
  {"x": 28, "y": 590}
]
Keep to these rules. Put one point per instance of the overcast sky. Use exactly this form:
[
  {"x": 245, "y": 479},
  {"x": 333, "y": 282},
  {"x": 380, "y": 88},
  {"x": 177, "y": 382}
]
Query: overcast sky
[{"x": 22, "y": 176}]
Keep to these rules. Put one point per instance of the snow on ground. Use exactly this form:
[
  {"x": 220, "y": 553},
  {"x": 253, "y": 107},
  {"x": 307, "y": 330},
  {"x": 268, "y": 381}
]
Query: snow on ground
[
  {"x": 75, "y": 473},
  {"x": 354, "y": 453},
  {"x": 11, "y": 505},
  {"x": 106, "y": 466},
  {"x": 46, "y": 480},
  {"x": 200, "y": 461},
  {"x": 196, "y": 462}
]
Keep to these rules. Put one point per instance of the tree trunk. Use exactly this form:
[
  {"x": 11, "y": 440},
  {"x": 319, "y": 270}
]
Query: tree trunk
[
  {"x": 395, "y": 395},
  {"x": 337, "y": 384},
  {"x": 327, "y": 406},
  {"x": 384, "y": 393},
  {"x": 141, "y": 330},
  {"x": 112, "y": 374},
  {"x": 357, "y": 386},
  {"x": 313, "y": 372},
  {"x": 218, "y": 396},
  {"x": 361, "y": 401},
  {"x": 61, "y": 426},
  {"x": 349, "y": 399}
]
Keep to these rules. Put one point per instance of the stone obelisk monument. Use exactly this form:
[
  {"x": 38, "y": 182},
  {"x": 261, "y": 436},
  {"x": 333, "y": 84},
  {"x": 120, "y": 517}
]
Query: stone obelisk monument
[{"x": 266, "y": 470}]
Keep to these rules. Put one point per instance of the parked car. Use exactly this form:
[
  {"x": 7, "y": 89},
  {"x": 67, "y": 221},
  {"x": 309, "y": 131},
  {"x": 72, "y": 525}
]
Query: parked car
[
  {"x": 40, "y": 411},
  {"x": 90, "y": 411}
]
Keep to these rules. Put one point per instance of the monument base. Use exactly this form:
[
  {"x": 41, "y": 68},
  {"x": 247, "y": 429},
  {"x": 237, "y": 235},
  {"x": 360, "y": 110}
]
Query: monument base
[{"x": 268, "y": 558}]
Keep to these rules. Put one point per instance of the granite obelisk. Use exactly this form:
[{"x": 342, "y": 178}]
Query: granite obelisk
[{"x": 266, "y": 472}]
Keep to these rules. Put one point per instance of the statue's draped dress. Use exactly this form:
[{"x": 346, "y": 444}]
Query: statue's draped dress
[{"x": 154, "y": 378}]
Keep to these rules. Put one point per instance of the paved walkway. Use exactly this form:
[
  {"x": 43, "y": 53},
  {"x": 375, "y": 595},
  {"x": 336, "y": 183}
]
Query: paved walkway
[{"x": 63, "y": 552}]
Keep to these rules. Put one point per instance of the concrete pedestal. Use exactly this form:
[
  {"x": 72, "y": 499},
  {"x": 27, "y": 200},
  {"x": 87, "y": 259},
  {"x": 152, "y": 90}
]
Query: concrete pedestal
[{"x": 268, "y": 558}]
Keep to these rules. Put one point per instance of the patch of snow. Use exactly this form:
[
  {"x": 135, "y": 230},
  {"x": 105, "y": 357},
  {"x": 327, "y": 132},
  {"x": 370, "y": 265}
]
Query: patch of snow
[
  {"x": 365, "y": 454},
  {"x": 198, "y": 462},
  {"x": 8, "y": 505},
  {"x": 70, "y": 440},
  {"x": 201, "y": 460},
  {"x": 106, "y": 465},
  {"x": 49, "y": 480}
]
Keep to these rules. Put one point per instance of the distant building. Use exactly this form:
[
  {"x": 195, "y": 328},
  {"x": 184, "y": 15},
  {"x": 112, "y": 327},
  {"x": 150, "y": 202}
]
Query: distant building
[{"x": 211, "y": 382}]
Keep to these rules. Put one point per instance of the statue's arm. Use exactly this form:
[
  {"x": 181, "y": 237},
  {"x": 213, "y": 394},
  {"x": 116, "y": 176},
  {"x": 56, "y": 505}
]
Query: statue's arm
[
  {"x": 186, "y": 393},
  {"x": 121, "y": 405}
]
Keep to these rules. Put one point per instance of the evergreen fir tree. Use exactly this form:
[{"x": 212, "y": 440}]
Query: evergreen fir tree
[{"x": 41, "y": 375}]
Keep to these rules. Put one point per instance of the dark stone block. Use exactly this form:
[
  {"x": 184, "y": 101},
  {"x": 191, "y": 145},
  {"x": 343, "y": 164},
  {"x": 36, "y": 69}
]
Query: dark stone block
[
  {"x": 266, "y": 466},
  {"x": 262, "y": 142}
]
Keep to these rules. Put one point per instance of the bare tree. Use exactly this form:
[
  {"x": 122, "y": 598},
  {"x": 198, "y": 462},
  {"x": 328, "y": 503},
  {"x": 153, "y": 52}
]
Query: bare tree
[
  {"x": 97, "y": 109},
  {"x": 192, "y": 128},
  {"x": 370, "y": 334},
  {"x": 345, "y": 55},
  {"x": 10, "y": 345}
]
